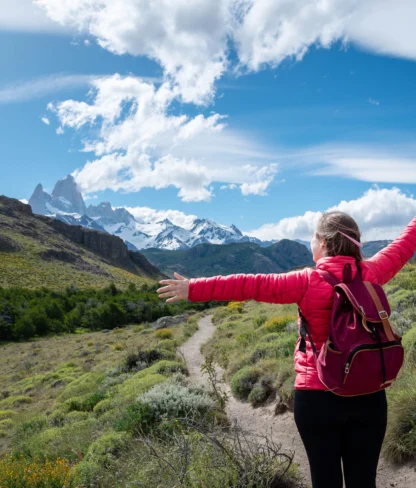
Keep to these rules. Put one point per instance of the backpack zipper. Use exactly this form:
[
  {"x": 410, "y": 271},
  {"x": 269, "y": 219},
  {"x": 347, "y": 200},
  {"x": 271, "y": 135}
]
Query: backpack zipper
[{"x": 366, "y": 347}]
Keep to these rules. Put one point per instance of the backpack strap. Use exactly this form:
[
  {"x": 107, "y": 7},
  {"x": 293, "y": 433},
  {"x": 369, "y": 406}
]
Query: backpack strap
[
  {"x": 303, "y": 331},
  {"x": 332, "y": 280}
]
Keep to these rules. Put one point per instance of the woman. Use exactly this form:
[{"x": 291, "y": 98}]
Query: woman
[{"x": 332, "y": 428}]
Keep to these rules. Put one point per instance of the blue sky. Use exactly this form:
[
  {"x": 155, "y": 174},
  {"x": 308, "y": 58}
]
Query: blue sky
[{"x": 328, "y": 127}]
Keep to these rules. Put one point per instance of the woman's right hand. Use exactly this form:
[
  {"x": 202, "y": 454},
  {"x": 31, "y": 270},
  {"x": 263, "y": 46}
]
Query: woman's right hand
[{"x": 176, "y": 289}]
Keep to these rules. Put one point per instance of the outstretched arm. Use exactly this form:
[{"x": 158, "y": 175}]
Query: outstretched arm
[
  {"x": 390, "y": 260},
  {"x": 272, "y": 288}
]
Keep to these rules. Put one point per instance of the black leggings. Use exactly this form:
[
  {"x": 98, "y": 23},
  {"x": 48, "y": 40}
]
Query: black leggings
[{"x": 348, "y": 428}]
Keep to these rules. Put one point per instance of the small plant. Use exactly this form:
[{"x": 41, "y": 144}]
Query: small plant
[
  {"x": 236, "y": 306},
  {"x": 164, "y": 333},
  {"x": 278, "y": 324},
  {"x": 244, "y": 380},
  {"x": 208, "y": 367},
  {"x": 20, "y": 472},
  {"x": 259, "y": 321}
]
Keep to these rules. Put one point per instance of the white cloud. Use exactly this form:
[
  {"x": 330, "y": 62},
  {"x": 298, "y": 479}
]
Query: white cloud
[
  {"x": 23, "y": 200},
  {"x": 25, "y": 16},
  {"x": 380, "y": 214},
  {"x": 23, "y": 91},
  {"x": 150, "y": 215},
  {"x": 141, "y": 143},
  {"x": 191, "y": 40},
  {"x": 375, "y": 164},
  {"x": 45, "y": 120},
  {"x": 373, "y": 101}
]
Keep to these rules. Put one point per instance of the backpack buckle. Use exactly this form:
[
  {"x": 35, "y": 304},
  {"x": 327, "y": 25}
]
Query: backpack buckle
[{"x": 383, "y": 317}]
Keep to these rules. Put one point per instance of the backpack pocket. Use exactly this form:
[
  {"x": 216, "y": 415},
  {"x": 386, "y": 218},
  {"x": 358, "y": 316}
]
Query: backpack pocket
[{"x": 370, "y": 367}]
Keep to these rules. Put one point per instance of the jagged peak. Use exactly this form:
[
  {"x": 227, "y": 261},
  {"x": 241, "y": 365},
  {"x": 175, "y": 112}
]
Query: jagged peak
[{"x": 165, "y": 221}]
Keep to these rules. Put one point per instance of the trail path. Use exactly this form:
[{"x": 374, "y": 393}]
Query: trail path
[{"x": 282, "y": 427}]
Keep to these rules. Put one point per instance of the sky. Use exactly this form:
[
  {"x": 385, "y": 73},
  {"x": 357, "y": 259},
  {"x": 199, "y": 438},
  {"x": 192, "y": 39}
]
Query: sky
[{"x": 257, "y": 113}]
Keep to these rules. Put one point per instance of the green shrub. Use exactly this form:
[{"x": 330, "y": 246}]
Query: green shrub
[
  {"x": 136, "y": 385},
  {"x": 259, "y": 321},
  {"x": 6, "y": 424},
  {"x": 107, "y": 448},
  {"x": 236, "y": 306},
  {"x": 400, "y": 441},
  {"x": 144, "y": 358},
  {"x": 244, "y": 380},
  {"x": 103, "y": 406},
  {"x": 7, "y": 414},
  {"x": 282, "y": 347},
  {"x": 81, "y": 386},
  {"x": 167, "y": 344},
  {"x": 172, "y": 400},
  {"x": 409, "y": 344},
  {"x": 85, "y": 403},
  {"x": 262, "y": 390},
  {"x": 164, "y": 333},
  {"x": 220, "y": 314},
  {"x": 13, "y": 401},
  {"x": 138, "y": 419},
  {"x": 278, "y": 324}
]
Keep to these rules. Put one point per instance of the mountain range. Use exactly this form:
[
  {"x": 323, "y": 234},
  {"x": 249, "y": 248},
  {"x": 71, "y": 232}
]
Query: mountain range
[
  {"x": 67, "y": 204},
  {"x": 37, "y": 250}
]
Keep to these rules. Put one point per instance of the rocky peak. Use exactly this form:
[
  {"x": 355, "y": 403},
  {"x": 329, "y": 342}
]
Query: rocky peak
[
  {"x": 67, "y": 196},
  {"x": 237, "y": 231},
  {"x": 39, "y": 199},
  {"x": 109, "y": 215}
]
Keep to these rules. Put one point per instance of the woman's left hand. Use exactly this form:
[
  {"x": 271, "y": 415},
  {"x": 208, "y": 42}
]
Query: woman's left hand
[{"x": 177, "y": 289}]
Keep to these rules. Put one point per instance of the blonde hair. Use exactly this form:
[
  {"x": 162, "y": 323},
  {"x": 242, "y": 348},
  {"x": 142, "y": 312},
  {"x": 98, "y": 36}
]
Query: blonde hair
[{"x": 329, "y": 229}]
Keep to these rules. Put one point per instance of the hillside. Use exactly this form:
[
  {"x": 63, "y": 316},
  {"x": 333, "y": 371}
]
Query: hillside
[
  {"x": 217, "y": 259},
  {"x": 42, "y": 251}
]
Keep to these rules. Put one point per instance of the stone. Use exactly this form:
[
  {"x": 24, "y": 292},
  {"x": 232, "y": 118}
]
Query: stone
[{"x": 166, "y": 322}]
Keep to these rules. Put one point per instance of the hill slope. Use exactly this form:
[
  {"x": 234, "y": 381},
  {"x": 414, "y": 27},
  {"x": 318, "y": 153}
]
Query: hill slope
[
  {"x": 216, "y": 259},
  {"x": 41, "y": 251}
]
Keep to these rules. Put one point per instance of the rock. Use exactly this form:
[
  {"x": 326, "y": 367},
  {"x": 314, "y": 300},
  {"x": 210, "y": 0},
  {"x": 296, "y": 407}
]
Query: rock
[
  {"x": 281, "y": 407},
  {"x": 105, "y": 331},
  {"x": 166, "y": 322},
  {"x": 8, "y": 245}
]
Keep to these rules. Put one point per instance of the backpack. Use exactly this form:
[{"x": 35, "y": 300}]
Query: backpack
[{"x": 362, "y": 354}]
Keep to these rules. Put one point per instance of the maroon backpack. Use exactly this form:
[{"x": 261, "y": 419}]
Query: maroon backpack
[{"x": 362, "y": 353}]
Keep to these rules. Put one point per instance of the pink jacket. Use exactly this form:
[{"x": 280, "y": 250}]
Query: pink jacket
[{"x": 309, "y": 291}]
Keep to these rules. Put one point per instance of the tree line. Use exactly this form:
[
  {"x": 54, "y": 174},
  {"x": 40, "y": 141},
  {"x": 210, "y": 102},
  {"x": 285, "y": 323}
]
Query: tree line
[{"x": 26, "y": 313}]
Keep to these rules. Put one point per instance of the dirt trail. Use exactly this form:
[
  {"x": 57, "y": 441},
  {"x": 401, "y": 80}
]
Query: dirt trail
[{"x": 282, "y": 428}]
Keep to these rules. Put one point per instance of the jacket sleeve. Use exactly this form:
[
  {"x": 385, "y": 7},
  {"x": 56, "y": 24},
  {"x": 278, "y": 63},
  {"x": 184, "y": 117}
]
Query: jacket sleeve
[
  {"x": 272, "y": 288},
  {"x": 390, "y": 260}
]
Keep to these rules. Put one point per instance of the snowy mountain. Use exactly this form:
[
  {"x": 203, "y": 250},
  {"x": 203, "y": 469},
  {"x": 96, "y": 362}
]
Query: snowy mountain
[{"x": 66, "y": 204}]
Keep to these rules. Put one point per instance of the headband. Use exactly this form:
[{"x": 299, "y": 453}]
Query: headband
[{"x": 359, "y": 244}]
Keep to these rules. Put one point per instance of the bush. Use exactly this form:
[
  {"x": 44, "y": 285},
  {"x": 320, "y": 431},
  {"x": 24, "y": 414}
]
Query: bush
[
  {"x": 164, "y": 333},
  {"x": 220, "y": 314},
  {"x": 280, "y": 348},
  {"x": 172, "y": 400},
  {"x": 244, "y": 380},
  {"x": 106, "y": 448},
  {"x": 236, "y": 306},
  {"x": 144, "y": 358},
  {"x": 278, "y": 324},
  {"x": 259, "y": 321},
  {"x": 138, "y": 419},
  {"x": 15, "y": 400},
  {"x": 20, "y": 472},
  {"x": 400, "y": 441},
  {"x": 409, "y": 344},
  {"x": 168, "y": 344},
  {"x": 85, "y": 404}
]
